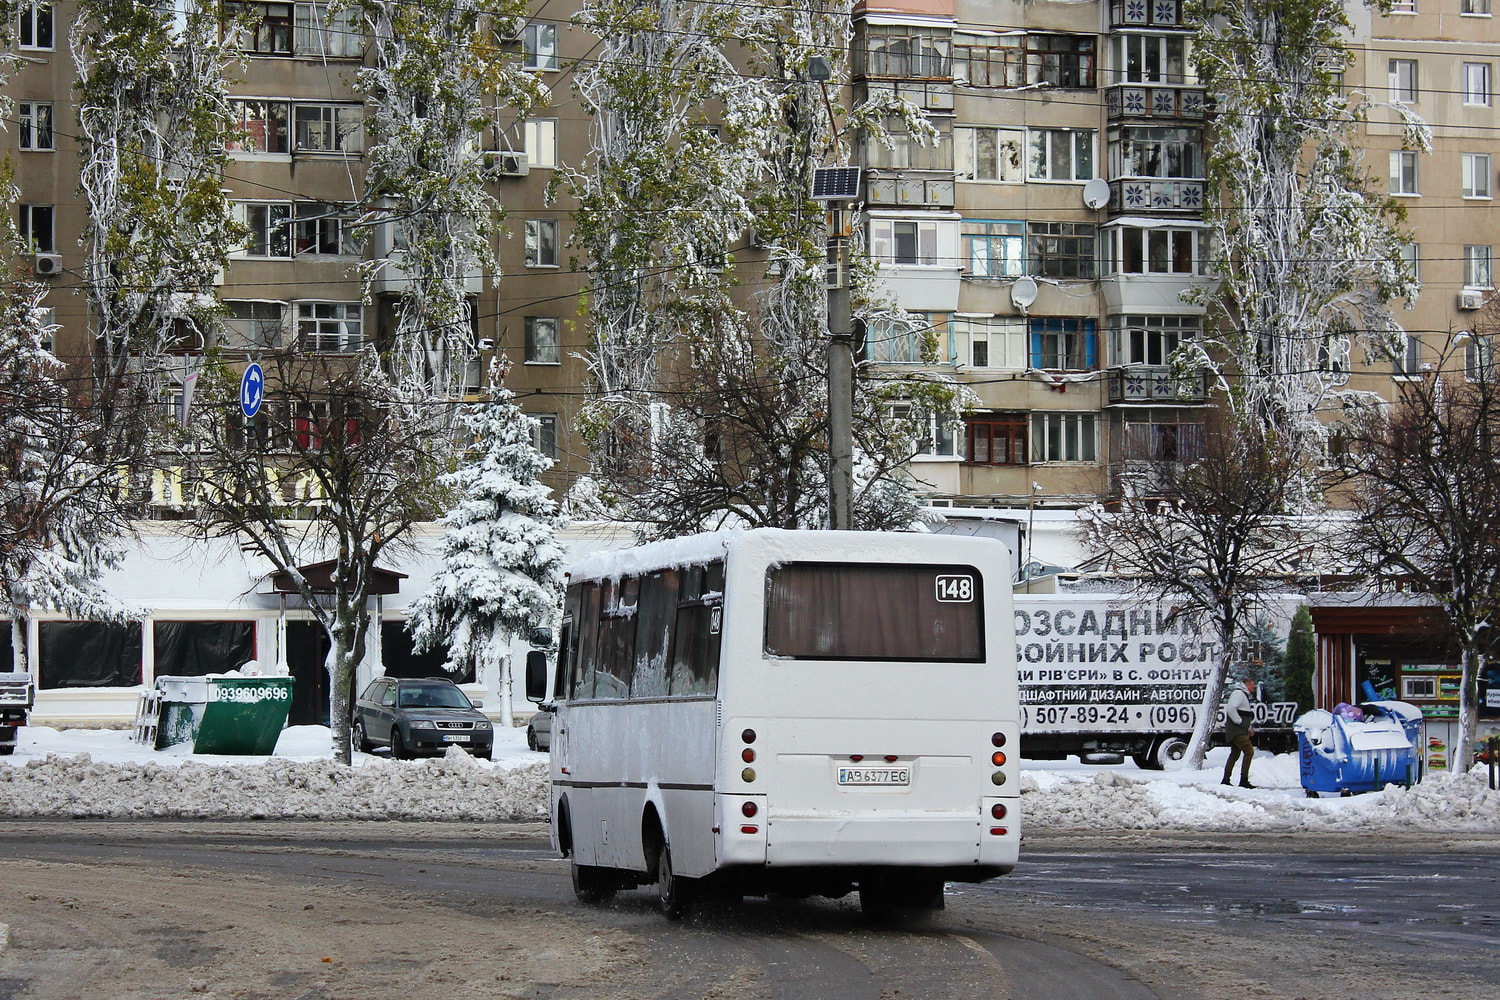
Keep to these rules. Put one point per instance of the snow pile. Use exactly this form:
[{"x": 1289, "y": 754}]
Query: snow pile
[{"x": 103, "y": 774}]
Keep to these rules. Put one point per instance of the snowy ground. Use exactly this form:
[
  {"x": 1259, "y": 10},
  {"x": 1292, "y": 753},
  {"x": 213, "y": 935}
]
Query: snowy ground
[{"x": 102, "y": 773}]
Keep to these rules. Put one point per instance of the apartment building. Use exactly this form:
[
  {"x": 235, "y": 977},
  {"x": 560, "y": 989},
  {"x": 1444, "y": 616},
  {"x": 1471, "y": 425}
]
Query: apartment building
[{"x": 1047, "y": 239}]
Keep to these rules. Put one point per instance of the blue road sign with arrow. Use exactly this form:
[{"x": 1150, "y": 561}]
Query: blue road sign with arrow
[{"x": 252, "y": 390}]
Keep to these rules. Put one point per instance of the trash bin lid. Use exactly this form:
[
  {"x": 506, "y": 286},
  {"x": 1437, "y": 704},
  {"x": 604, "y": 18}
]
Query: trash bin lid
[{"x": 1380, "y": 735}]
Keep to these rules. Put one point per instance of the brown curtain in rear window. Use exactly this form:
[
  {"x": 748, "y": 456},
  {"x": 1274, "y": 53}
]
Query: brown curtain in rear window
[{"x": 843, "y": 611}]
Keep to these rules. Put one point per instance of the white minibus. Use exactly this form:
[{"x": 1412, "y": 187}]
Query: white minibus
[{"x": 798, "y": 712}]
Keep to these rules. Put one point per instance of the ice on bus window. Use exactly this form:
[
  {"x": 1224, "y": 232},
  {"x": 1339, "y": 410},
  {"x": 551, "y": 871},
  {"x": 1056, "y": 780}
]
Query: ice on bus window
[
  {"x": 860, "y": 611},
  {"x": 695, "y": 650},
  {"x": 655, "y": 611}
]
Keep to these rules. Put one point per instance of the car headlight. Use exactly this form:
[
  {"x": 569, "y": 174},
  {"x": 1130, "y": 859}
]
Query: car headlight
[
  {"x": 422, "y": 724},
  {"x": 482, "y": 725}
]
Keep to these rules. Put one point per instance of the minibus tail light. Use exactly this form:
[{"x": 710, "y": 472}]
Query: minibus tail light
[
  {"x": 998, "y": 810},
  {"x": 749, "y": 736},
  {"x": 998, "y": 739},
  {"x": 997, "y": 758},
  {"x": 747, "y": 755},
  {"x": 749, "y": 809}
]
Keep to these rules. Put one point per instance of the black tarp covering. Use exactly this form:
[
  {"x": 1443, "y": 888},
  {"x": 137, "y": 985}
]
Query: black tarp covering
[
  {"x": 401, "y": 660},
  {"x": 7, "y": 651},
  {"x": 89, "y": 654},
  {"x": 192, "y": 649}
]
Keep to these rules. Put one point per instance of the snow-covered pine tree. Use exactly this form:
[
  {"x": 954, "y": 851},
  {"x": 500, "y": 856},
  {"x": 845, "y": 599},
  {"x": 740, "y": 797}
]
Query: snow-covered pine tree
[
  {"x": 1308, "y": 258},
  {"x": 502, "y": 566},
  {"x": 440, "y": 74},
  {"x": 60, "y": 515}
]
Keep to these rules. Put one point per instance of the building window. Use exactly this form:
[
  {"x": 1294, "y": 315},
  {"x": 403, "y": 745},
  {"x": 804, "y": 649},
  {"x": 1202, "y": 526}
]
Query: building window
[
  {"x": 988, "y": 154},
  {"x": 1149, "y": 340},
  {"x": 1064, "y": 344},
  {"x": 1149, "y": 151},
  {"x": 1476, "y": 175},
  {"x": 326, "y": 230},
  {"x": 994, "y": 249},
  {"x": 988, "y": 60},
  {"x": 329, "y": 327},
  {"x": 36, "y": 26},
  {"x": 328, "y": 128},
  {"x": 1474, "y": 7},
  {"x": 1480, "y": 357},
  {"x": 541, "y": 142},
  {"x": 1477, "y": 84},
  {"x": 1060, "y": 60},
  {"x": 987, "y": 341},
  {"x": 1402, "y": 77},
  {"x": 1412, "y": 254},
  {"x": 34, "y": 125},
  {"x": 1409, "y": 360},
  {"x": 898, "y": 51},
  {"x": 1152, "y": 59},
  {"x": 1404, "y": 172},
  {"x": 1160, "y": 435},
  {"x": 1157, "y": 250},
  {"x": 253, "y": 325},
  {"x": 270, "y": 33},
  {"x": 1064, "y": 437},
  {"x": 541, "y": 242},
  {"x": 896, "y": 241},
  {"x": 995, "y": 439},
  {"x": 1061, "y": 249},
  {"x": 933, "y": 433},
  {"x": 36, "y": 227},
  {"x": 1479, "y": 262},
  {"x": 539, "y": 47},
  {"x": 1333, "y": 354},
  {"x": 899, "y": 341},
  {"x": 1404, "y": 6},
  {"x": 321, "y": 32},
  {"x": 905, "y": 154},
  {"x": 1059, "y": 154},
  {"x": 544, "y": 434},
  {"x": 263, "y": 126},
  {"x": 270, "y": 228},
  {"x": 542, "y": 347}
]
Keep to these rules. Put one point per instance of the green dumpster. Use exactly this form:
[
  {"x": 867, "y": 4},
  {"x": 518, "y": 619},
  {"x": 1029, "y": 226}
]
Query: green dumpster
[{"x": 223, "y": 715}]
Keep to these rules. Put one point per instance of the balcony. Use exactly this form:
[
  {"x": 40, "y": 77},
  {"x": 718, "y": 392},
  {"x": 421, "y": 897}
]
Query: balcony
[
  {"x": 1146, "y": 14},
  {"x": 1155, "y": 384},
  {"x": 885, "y": 187},
  {"x": 1160, "y": 104},
  {"x": 392, "y": 278},
  {"x": 1155, "y": 195}
]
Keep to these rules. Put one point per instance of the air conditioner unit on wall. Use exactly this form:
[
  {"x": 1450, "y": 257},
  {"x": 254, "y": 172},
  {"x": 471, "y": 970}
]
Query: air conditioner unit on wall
[
  {"x": 508, "y": 164},
  {"x": 47, "y": 264},
  {"x": 1471, "y": 298}
]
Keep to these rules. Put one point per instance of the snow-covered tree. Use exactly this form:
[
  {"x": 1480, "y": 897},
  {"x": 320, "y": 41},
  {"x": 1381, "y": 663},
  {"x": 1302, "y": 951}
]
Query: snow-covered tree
[
  {"x": 439, "y": 75},
  {"x": 502, "y": 566},
  {"x": 154, "y": 118},
  {"x": 340, "y": 465},
  {"x": 712, "y": 399},
  {"x": 1307, "y": 257},
  {"x": 1212, "y": 538},
  {"x": 1426, "y": 478},
  {"x": 1301, "y": 658}
]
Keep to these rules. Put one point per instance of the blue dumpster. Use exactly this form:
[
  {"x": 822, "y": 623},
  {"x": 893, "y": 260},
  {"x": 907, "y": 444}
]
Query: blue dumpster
[{"x": 1341, "y": 754}]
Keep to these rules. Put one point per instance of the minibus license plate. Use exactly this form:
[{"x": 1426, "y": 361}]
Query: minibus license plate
[{"x": 874, "y": 776}]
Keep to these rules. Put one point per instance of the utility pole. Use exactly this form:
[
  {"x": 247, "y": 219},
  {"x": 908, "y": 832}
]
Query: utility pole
[{"x": 837, "y": 187}]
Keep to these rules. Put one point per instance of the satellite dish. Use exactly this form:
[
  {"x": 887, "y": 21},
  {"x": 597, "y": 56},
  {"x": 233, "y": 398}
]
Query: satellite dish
[
  {"x": 1023, "y": 293},
  {"x": 1096, "y": 193}
]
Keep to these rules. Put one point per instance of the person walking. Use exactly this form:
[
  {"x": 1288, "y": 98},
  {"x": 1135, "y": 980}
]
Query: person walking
[{"x": 1239, "y": 713}]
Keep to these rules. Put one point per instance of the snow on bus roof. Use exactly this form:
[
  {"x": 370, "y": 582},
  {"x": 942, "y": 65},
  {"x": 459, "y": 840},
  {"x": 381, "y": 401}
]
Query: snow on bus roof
[{"x": 672, "y": 553}]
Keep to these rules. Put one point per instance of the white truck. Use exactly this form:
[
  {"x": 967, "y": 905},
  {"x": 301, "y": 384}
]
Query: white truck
[
  {"x": 1102, "y": 677},
  {"x": 17, "y": 694}
]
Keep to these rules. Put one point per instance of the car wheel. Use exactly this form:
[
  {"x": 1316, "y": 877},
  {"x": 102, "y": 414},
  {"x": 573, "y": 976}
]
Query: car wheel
[
  {"x": 671, "y": 889},
  {"x": 398, "y": 746},
  {"x": 530, "y": 738},
  {"x": 361, "y": 743}
]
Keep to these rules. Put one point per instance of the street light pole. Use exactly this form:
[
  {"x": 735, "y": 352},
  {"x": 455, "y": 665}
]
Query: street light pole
[{"x": 840, "y": 387}]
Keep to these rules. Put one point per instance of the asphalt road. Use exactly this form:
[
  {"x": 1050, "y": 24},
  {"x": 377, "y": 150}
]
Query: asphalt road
[{"x": 286, "y": 909}]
